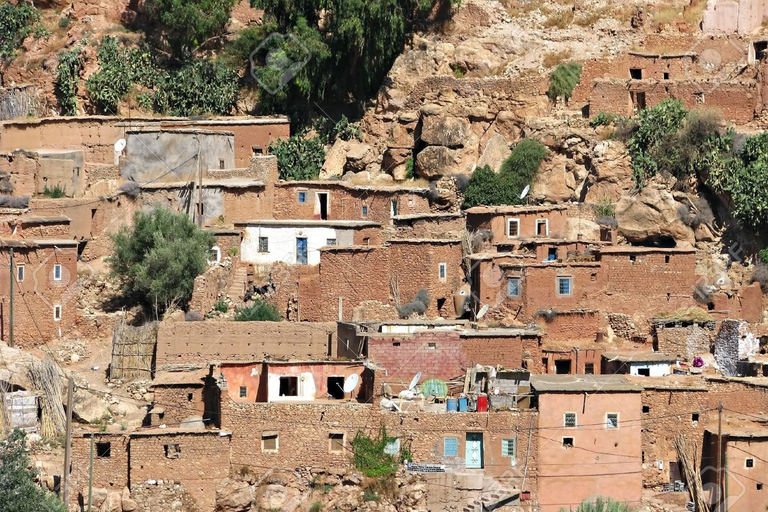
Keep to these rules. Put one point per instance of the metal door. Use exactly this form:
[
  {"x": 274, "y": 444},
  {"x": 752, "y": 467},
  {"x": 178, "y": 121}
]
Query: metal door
[{"x": 474, "y": 450}]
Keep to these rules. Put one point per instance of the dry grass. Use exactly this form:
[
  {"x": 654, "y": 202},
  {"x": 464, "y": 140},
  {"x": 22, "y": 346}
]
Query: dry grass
[
  {"x": 516, "y": 8},
  {"x": 692, "y": 314},
  {"x": 671, "y": 15},
  {"x": 559, "y": 19},
  {"x": 552, "y": 59}
]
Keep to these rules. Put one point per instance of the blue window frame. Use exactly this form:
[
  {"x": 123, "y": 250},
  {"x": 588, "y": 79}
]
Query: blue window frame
[
  {"x": 564, "y": 285},
  {"x": 451, "y": 446},
  {"x": 513, "y": 287},
  {"x": 302, "y": 197}
]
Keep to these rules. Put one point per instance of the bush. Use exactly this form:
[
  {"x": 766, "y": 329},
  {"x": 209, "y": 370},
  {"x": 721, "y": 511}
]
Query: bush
[
  {"x": 259, "y": 311},
  {"x": 369, "y": 455},
  {"x": 602, "y": 119},
  {"x": 331, "y": 131},
  {"x": 298, "y": 157},
  {"x": 654, "y": 125},
  {"x": 763, "y": 255},
  {"x": 159, "y": 258},
  {"x": 57, "y": 192},
  {"x": 199, "y": 87},
  {"x": 114, "y": 79},
  {"x": 221, "y": 306},
  {"x": 409, "y": 172},
  {"x": 518, "y": 170},
  {"x": 18, "y": 490},
  {"x": 67, "y": 76},
  {"x": 605, "y": 208},
  {"x": 601, "y": 504},
  {"x": 563, "y": 80},
  {"x": 316, "y": 507},
  {"x": 418, "y": 305},
  {"x": 17, "y": 21}
]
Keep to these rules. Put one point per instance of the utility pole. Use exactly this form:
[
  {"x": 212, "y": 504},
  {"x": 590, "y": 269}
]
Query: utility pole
[
  {"x": 720, "y": 486},
  {"x": 199, "y": 210},
  {"x": 68, "y": 442},
  {"x": 90, "y": 478},
  {"x": 10, "y": 313}
]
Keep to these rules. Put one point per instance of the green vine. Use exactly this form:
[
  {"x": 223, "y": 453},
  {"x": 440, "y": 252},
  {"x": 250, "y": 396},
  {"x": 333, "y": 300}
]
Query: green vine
[{"x": 68, "y": 74}]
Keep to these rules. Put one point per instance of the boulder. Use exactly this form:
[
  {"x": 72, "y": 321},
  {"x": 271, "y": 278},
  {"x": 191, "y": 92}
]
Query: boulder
[
  {"x": 234, "y": 496},
  {"x": 435, "y": 161},
  {"x": 581, "y": 229},
  {"x": 495, "y": 152},
  {"x": 113, "y": 503},
  {"x": 87, "y": 407},
  {"x": 651, "y": 216},
  {"x": 335, "y": 160},
  {"x": 395, "y": 161},
  {"x": 359, "y": 156},
  {"x": 98, "y": 496},
  {"x": 612, "y": 175},
  {"x": 445, "y": 130},
  {"x": 130, "y": 505},
  {"x": 391, "y": 99},
  {"x": 558, "y": 180}
]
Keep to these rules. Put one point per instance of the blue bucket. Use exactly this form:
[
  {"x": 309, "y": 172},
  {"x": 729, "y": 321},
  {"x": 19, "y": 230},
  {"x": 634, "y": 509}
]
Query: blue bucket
[
  {"x": 452, "y": 405},
  {"x": 463, "y": 404}
]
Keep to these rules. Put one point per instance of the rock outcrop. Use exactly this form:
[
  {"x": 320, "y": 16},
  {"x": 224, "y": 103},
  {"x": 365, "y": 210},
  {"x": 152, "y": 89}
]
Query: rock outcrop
[{"x": 651, "y": 216}]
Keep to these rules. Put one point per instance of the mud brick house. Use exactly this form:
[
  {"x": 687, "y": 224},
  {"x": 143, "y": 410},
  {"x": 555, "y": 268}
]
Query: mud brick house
[
  {"x": 196, "y": 459},
  {"x": 683, "y": 339},
  {"x": 511, "y": 223},
  {"x": 298, "y": 242},
  {"x": 340, "y": 200},
  {"x": 643, "y": 364},
  {"x": 44, "y": 289},
  {"x": 428, "y": 225},
  {"x": 743, "y": 443},
  {"x": 295, "y": 381},
  {"x": 34, "y": 226},
  {"x": 570, "y": 358},
  {"x": 181, "y": 394},
  {"x": 589, "y": 439}
]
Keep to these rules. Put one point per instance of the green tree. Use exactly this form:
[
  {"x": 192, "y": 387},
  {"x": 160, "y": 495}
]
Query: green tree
[
  {"x": 18, "y": 491},
  {"x": 187, "y": 24},
  {"x": 159, "y": 258},
  {"x": 563, "y": 80},
  {"x": 655, "y": 125},
  {"x": 199, "y": 87},
  {"x": 298, "y": 157},
  {"x": 17, "y": 21},
  {"x": 67, "y": 76}
]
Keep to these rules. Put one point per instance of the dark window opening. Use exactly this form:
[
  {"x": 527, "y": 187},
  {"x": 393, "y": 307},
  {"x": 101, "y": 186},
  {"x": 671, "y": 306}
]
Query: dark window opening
[
  {"x": 759, "y": 487},
  {"x": 695, "y": 416},
  {"x": 173, "y": 451},
  {"x": 336, "y": 387},
  {"x": 103, "y": 450},
  {"x": 432, "y": 346},
  {"x": 666, "y": 258},
  {"x": 632, "y": 258},
  {"x": 257, "y": 150},
  {"x": 635, "y": 73},
  {"x": 710, "y": 306},
  {"x": 441, "y": 303},
  {"x": 589, "y": 368},
  {"x": 337, "y": 442},
  {"x": 190, "y": 397},
  {"x": 646, "y": 409},
  {"x": 396, "y": 344},
  {"x": 243, "y": 392},
  {"x": 221, "y": 163},
  {"x": 644, "y": 372},
  {"x": 563, "y": 366},
  {"x": 750, "y": 463},
  {"x": 638, "y": 100},
  {"x": 568, "y": 442},
  {"x": 552, "y": 254},
  {"x": 263, "y": 244},
  {"x": 760, "y": 49},
  {"x": 323, "y": 199},
  {"x": 666, "y": 76},
  {"x": 605, "y": 234},
  {"x": 541, "y": 228},
  {"x": 289, "y": 386}
]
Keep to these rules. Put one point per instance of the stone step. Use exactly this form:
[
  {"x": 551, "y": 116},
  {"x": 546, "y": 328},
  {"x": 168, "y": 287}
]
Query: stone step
[{"x": 237, "y": 289}]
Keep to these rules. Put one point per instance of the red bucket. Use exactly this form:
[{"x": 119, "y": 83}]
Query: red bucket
[{"x": 482, "y": 403}]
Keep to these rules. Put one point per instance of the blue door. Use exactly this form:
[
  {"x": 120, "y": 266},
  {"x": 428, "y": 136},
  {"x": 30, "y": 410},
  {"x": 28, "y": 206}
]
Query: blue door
[
  {"x": 301, "y": 251},
  {"x": 474, "y": 450}
]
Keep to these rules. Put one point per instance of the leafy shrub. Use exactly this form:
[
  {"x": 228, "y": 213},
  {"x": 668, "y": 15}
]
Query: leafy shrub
[
  {"x": 602, "y": 119},
  {"x": 654, "y": 125},
  {"x": 187, "y": 24},
  {"x": 221, "y": 306},
  {"x": 316, "y": 507},
  {"x": 331, "y": 131},
  {"x": 199, "y": 87},
  {"x": 64, "y": 22},
  {"x": 409, "y": 172},
  {"x": 518, "y": 170},
  {"x": 601, "y": 504},
  {"x": 763, "y": 255},
  {"x": 298, "y": 157},
  {"x": 259, "y": 311},
  {"x": 418, "y": 305},
  {"x": 18, "y": 490},
  {"x": 57, "y": 192},
  {"x": 159, "y": 258},
  {"x": 67, "y": 76},
  {"x": 563, "y": 80},
  {"x": 605, "y": 208},
  {"x": 17, "y": 21},
  {"x": 369, "y": 455}
]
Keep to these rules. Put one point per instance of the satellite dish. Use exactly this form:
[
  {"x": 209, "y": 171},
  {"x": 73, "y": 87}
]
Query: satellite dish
[
  {"x": 119, "y": 145},
  {"x": 525, "y": 191},
  {"x": 415, "y": 380},
  {"x": 482, "y": 312},
  {"x": 351, "y": 382}
]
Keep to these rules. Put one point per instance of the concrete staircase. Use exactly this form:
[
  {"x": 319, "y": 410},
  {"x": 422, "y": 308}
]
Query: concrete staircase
[{"x": 236, "y": 290}]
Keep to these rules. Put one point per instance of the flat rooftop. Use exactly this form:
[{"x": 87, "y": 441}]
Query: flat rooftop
[
  {"x": 671, "y": 382},
  {"x": 349, "y": 185},
  {"x": 515, "y": 209},
  {"x": 309, "y": 223},
  {"x": 739, "y": 425},
  {"x": 37, "y": 242},
  {"x": 50, "y": 219},
  {"x": 626, "y": 249},
  {"x": 140, "y": 121},
  {"x": 431, "y": 215},
  {"x": 581, "y": 383},
  {"x": 222, "y": 183},
  {"x": 639, "y": 357}
]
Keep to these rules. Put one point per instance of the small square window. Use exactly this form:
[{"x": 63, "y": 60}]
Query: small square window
[
  {"x": 57, "y": 272},
  {"x": 302, "y": 197},
  {"x": 569, "y": 419},
  {"x": 635, "y": 73},
  {"x": 57, "y": 313},
  {"x": 330, "y": 241},
  {"x": 432, "y": 346},
  {"x": 646, "y": 409},
  {"x": 20, "y": 273},
  {"x": 336, "y": 440},
  {"x": 451, "y": 446},
  {"x": 442, "y": 271},
  {"x": 513, "y": 287},
  {"x": 589, "y": 368},
  {"x": 396, "y": 344},
  {"x": 190, "y": 397},
  {"x": 513, "y": 228},
  {"x": 612, "y": 420},
  {"x": 508, "y": 448},
  {"x": 393, "y": 447},
  {"x": 542, "y": 227},
  {"x": 243, "y": 392},
  {"x": 564, "y": 286},
  {"x": 104, "y": 450},
  {"x": 269, "y": 442},
  {"x": 263, "y": 244},
  {"x": 759, "y": 487},
  {"x": 632, "y": 258},
  {"x": 666, "y": 76},
  {"x": 749, "y": 463},
  {"x": 695, "y": 417},
  {"x": 567, "y": 442},
  {"x": 365, "y": 211},
  {"x": 173, "y": 451}
]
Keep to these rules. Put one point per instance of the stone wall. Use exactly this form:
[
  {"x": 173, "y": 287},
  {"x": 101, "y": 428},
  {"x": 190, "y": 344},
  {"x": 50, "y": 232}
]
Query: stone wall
[
  {"x": 684, "y": 341},
  {"x": 108, "y": 472},
  {"x": 201, "y": 342},
  {"x": 575, "y": 326}
]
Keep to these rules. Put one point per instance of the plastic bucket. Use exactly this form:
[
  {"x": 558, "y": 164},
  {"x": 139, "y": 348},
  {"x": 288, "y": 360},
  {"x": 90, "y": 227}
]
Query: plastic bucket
[
  {"x": 463, "y": 404},
  {"x": 482, "y": 403},
  {"x": 452, "y": 405}
]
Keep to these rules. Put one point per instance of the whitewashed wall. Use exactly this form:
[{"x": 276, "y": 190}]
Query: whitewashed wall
[
  {"x": 282, "y": 242},
  {"x": 656, "y": 369}
]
